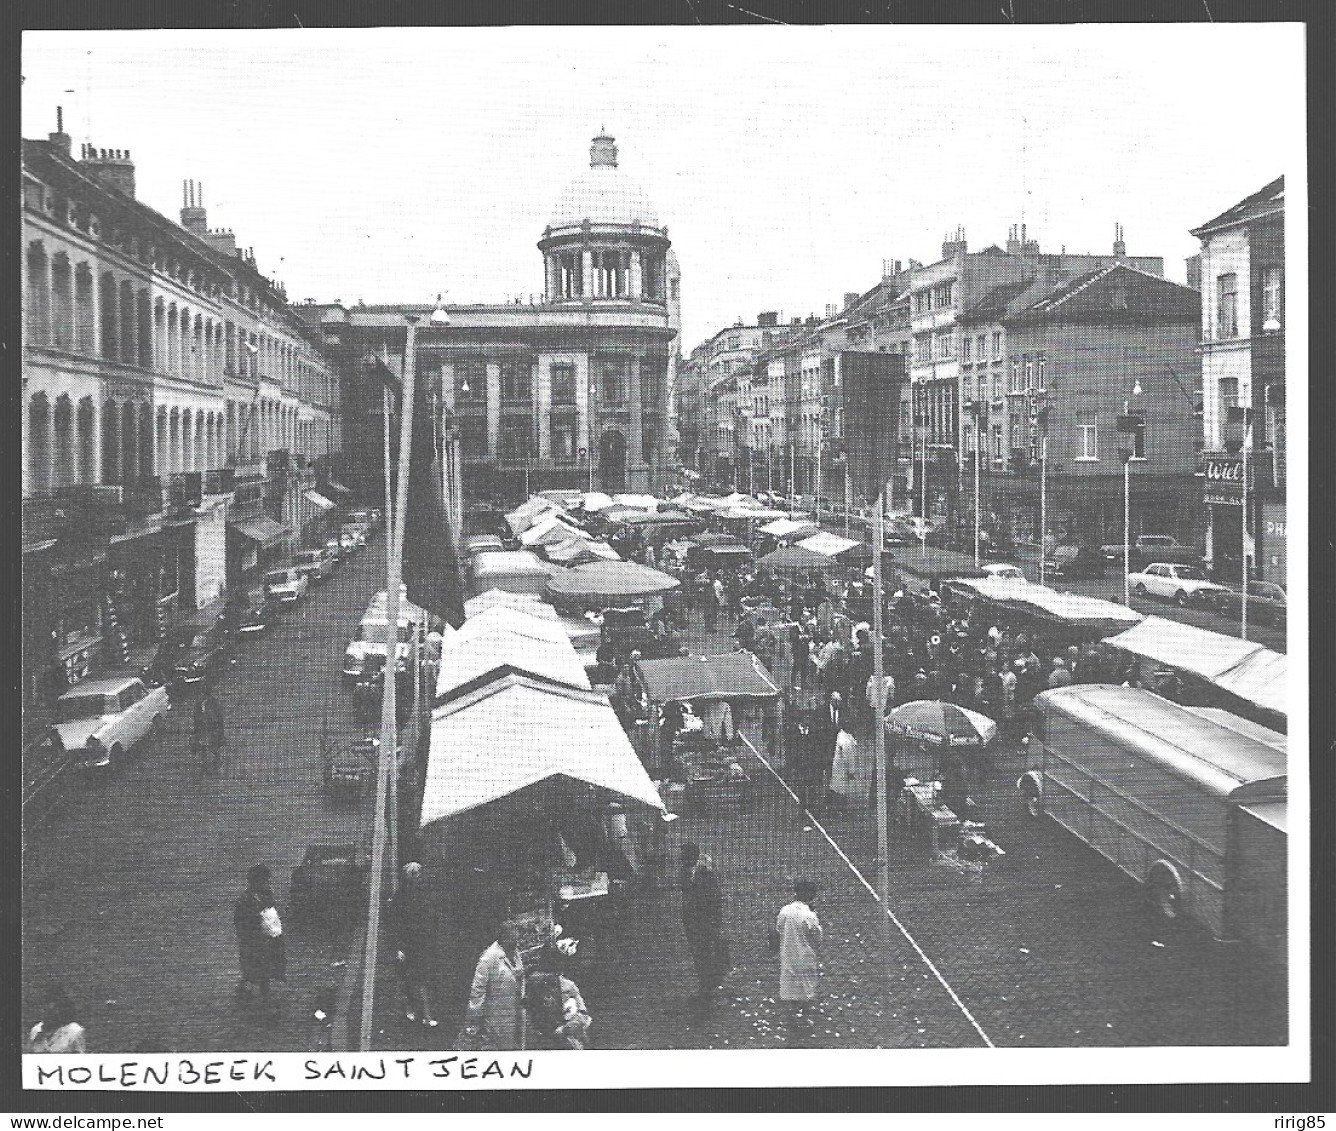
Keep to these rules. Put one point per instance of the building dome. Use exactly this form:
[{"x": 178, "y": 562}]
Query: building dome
[{"x": 603, "y": 194}]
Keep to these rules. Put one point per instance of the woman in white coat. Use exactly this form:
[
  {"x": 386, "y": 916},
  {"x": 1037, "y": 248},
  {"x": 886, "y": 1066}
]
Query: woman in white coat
[{"x": 798, "y": 935}]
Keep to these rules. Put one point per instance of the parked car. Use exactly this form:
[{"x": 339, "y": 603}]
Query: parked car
[
  {"x": 369, "y": 520},
  {"x": 107, "y": 718},
  {"x": 1266, "y": 603},
  {"x": 285, "y": 585},
  {"x": 250, "y": 613},
  {"x": 201, "y": 655},
  {"x": 347, "y": 543},
  {"x": 1152, "y": 548},
  {"x": 315, "y": 564},
  {"x": 358, "y": 533},
  {"x": 1069, "y": 561},
  {"x": 1183, "y": 584},
  {"x": 1003, "y": 570}
]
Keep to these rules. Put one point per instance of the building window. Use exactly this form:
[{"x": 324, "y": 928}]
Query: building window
[
  {"x": 997, "y": 385},
  {"x": 1029, "y": 371},
  {"x": 613, "y": 385},
  {"x": 1271, "y": 310},
  {"x": 516, "y": 382},
  {"x": 1085, "y": 427},
  {"x": 563, "y": 384},
  {"x": 922, "y": 349},
  {"x": 1226, "y": 306},
  {"x": 516, "y": 437},
  {"x": 1014, "y": 377},
  {"x": 563, "y": 440},
  {"x": 1039, "y": 373},
  {"x": 997, "y": 441},
  {"x": 966, "y": 346},
  {"x": 734, "y": 342},
  {"x": 980, "y": 346},
  {"x": 997, "y": 345}
]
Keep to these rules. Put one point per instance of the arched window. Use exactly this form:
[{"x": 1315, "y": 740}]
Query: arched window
[
  {"x": 129, "y": 324},
  {"x": 85, "y": 322},
  {"x": 39, "y": 296},
  {"x": 62, "y": 303}
]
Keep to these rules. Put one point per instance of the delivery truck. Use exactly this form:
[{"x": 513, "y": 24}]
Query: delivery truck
[{"x": 1188, "y": 801}]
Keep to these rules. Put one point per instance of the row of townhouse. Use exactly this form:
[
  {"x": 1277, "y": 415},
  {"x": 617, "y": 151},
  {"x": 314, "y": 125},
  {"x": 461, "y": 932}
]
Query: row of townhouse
[
  {"x": 177, "y": 418},
  {"x": 1049, "y": 369}
]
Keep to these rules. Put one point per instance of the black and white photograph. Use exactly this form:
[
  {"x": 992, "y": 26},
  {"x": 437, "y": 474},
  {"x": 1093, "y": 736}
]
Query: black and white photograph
[{"x": 690, "y": 540}]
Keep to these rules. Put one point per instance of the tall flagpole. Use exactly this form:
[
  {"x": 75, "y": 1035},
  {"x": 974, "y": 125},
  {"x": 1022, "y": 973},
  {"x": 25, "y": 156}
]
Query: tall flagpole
[
  {"x": 879, "y": 722},
  {"x": 388, "y": 735}
]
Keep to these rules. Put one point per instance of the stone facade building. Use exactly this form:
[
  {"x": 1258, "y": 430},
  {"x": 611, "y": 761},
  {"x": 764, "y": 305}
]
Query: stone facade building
[
  {"x": 160, "y": 369},
  {"x": 565, "y": 392}
]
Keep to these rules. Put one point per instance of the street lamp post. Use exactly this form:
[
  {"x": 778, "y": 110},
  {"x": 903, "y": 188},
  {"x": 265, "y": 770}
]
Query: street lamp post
[
  {"x": 1043, "y": 500},
  {"x": 974, "y": 407},
  {"x": 1130, "y": 428}
]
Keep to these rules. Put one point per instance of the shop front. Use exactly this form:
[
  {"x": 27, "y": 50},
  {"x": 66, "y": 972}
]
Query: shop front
[
  {"x": 1223, "y": 500},
  {"x": 254, "y": 544},
  {"x": 1273, "y": 564}
]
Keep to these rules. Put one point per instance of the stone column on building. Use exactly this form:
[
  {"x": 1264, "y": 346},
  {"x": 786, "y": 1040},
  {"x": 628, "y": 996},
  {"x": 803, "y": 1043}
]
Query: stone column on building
[
  {"x": 637, "y": 472},
  {"x": 587, "y": 273},
  {"x": 94, "y": 294},
  {"x": 552, "y": 276},
  {"x": 583, "y": 435},
  {"x": 96, "y": 439},
  {"x": 493, "y": 410},
  {"x": 49, "y": 471},
  {"x": 637, "y": 275},
  {"x": 543, "y": 404},
  {"x": 448, "y": 386}
]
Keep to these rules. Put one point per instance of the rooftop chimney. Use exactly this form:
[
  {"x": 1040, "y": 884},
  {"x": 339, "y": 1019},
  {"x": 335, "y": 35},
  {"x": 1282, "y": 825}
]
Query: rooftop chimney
[
  {"x": 1013, "y": 241},
  {"x": 1119, "y": 247},
  {"x": 603, "y": 152},
  {"x": 112, "y": 167},
  {"x": 60, "y": 139},
  {"x": 767, "y": 318},
  {"x": 952, "y": 247},
  {"x": 193, "y": 218}
]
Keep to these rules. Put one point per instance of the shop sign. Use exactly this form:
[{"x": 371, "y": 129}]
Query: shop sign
[{"x": 1223, "y": 481}]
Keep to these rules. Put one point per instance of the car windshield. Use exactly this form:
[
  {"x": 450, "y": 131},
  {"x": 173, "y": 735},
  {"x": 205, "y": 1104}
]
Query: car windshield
[
  {"x": 1192, "y": 573},
  {"x": 82, "y": 707},
  {"x": 278, "y": 577}
]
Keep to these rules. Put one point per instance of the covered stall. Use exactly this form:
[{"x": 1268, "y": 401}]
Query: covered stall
[
  {"x": 578, "y": 551},
  {"x": 714, "y": 551},
  {"x": 591, "y": 502},
  {"x": 694, "y": 750},
  {"x": 704, "y": 505},
  {"x": 786, "y": 531},
  {"x": 533, "y": 807},
  {"x": 563, "y": 497},
  {"x": 1215, "y": 670},
  {"x": 1064, "y": 618},
  {"x": 550, "y": 529},
  {"x": 539, "y": 648},
  {"x": 607, "y": 583},
  {"x": 846, "y": 551},
  {"x": 503, "y": 598},
  {"x": 792, "y": 560},
  {"x": 528, "y": 513},
  {"x": 518, "y": 571}
]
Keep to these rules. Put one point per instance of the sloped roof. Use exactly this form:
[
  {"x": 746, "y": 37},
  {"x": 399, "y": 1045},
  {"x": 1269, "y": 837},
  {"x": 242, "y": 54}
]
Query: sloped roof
[
  {"x": 499, "y": 647},
  {"x": 503, "y": 598},
  {"x": 735, "y": 675},
  {"x": 994, "y": 303},
  {"x": 1093, "y": 294},
  {"x": 1266, "y": 200}
]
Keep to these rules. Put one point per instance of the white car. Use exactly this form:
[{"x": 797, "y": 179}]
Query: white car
[
  {"x": 107, "y": 718},
  {"x": 1003, "y": 570},
  {"x": 365, "y": 653},
  {"x": 1182, "y": 584},
  {"x": 285, "y": 585}
]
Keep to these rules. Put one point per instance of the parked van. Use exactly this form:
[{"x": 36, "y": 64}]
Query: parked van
[{"x": 1190, "y": 802}]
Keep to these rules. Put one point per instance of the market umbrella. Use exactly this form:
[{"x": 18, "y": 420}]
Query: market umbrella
[
  {"x": 943, "y": 724},
  {"x": 794, "y": 559},
  {"x": 611, "y": 581}
]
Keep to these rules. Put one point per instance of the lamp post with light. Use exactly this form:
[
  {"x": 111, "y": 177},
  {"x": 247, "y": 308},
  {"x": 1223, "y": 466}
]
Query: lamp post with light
[{"x": 1131, "y": 426}]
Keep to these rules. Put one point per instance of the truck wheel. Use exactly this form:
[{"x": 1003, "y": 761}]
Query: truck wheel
[
  {"x": 1140, "y": 590},
  {"x": 1166, "y": 893},
  {"x": 1181, "y": 599}
]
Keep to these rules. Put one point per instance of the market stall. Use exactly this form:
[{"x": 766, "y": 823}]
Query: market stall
[
  {"x": 579, "y": 551},
  {"x": 1214, "y": 669},
  {"x": 794, "y": 560},
  {"x": 608, "y": 583},
  {"x": 518, "y": 571},
  {"x": 723, "y": 693},
  {"x": 1064, "y": 618},
  {"x": 786, "y": 531},
  {"x": 529, "y": 512},
  {"x": 503, "y": 598},
  {"x": 550, "y": 529}
]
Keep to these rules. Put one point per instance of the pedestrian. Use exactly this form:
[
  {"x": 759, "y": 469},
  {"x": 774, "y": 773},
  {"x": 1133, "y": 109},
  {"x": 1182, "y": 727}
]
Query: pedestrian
[
  {"x": 844, "y": 770},
  {"x": 57, "y": 1031},
  {"x": 797, "y": 940},
  {"x": 259, "y": 934},
  {"x": 702, "y": 922},
  {"x": 1059, "y": 676},
  {"x": 495, "y": 1016},
  {"x": 832, "y": 722},
  {"x": 555, "y": 1011},
  {"x": 408, "y": 921},
  {"x": 208, "y": 735}
]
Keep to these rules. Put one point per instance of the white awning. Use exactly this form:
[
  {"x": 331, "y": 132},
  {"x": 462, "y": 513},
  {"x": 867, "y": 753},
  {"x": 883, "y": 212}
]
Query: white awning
[
  {"x": 1196, "y": 650},
  {"x": 783, "y": 527},
  {"x": 526, "y": 603},
  {"x": 828, "y": 544},
  {"x": 517, "y": 732},
  {"x": 318, "y": 499},
  {"x": 473, "y": 652}
]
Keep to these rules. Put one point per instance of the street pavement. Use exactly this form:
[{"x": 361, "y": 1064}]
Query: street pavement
[{"x": 128, "y": 893}]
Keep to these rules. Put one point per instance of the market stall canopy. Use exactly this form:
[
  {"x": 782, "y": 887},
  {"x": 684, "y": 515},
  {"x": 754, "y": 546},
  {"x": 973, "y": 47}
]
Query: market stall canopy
[
  {"x": 518, "y": 570},
  {"x": 705, "y": 504},
  {"x": 1261, "y": 678},
  {"x": 526, "y": 603},
  {"x": 610, "y": 581},
  {"x": 500, "y": 650},
  {"x": 639, "y": 502},
  {"x": 664, "y": 516},
  {"x": 519, "y": 622},
  {"x": 832, "y": 545},
  {"x": 790, "y": 528},
  {"x": 795, "y": 559},
  {"x": 561, "y": 496},
  {"x": 753, "y": 513},
  {"x": 527, "y": 513},
  {"x": 1196, "y": 650},
  {"x": 549, "y": 529},
  {"x": 577, "y": 551},
  {"x": 262, "y": 530},
  {"x": 1069, "y": 607},
  {"x": 737, "y": 675},
  {"x": 593, "y": 501},
  {"x": 517, "y": 732},
  {"x": 616, "y": 513}
]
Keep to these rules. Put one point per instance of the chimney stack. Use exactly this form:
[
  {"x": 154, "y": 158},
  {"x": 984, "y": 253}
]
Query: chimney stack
[
  {"x": 850, "y": 297},
  {"x": 193, "y": 217},
  {"x": 112, "y": 167},
  {"x": 1119, "y": 247},
  {"x": 953, "y": 247},
  {"x": 60, "y": 139}
]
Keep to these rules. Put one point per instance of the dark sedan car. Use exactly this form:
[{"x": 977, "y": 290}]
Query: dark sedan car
[
  {"x": 1074, "y": 561},
  {"x": 1266, "y": 604},
  {"x": 250, "y": 614}
]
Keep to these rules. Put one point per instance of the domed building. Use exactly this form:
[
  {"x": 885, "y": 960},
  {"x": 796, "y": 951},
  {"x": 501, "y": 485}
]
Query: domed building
[{"x": 567, "y": 390}]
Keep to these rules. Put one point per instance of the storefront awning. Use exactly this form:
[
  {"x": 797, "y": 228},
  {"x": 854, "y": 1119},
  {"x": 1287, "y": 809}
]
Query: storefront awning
[
  {"x": 262, "y": 530},
  {"x": 318, "y": 499}
]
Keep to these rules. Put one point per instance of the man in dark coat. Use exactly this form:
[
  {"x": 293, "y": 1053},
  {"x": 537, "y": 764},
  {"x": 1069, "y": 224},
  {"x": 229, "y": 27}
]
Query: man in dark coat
[
  {"x": 702, "y": 922},
  {"x": 259, "y": 934}
]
